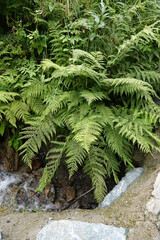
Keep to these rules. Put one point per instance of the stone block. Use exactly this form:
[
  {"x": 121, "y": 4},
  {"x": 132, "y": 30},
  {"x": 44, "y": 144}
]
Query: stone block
[{"x": 75, "y": 230}]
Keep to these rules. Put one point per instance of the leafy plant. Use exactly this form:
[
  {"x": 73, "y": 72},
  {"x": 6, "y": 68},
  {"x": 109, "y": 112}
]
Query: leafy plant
[
  {"x": 80, "y": 77},
  {"x": 100, "y": 132}
]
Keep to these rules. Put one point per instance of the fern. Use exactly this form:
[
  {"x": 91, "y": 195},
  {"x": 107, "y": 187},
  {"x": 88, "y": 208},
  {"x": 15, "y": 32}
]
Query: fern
[
  {"x": 94, "y": 167},
  {"x": 152, "y": 77},
  {"x": 47, "y": 64},
  {"x": 15, "y": 111},
  {"x": 101, "y": 162},
  {"x": 75, "y": 155},
  {"x": 33, "y": 89},
  {"x": 88, "y": 58},
  {"x": 112, "y": 164},
  {"x": 88, "y": 119},
  {"x": 7, "y": 96},
  {"x": 57, "y": 101},
  {"x": 36, "y": 105},
  {"x": 93, "y": 95},
  {"x": 39, "y": 132},
  {"x": 87, "y": 130},
  {"x": 85, "y": 70},
  {"x": 106, "y": 113},
  {"x": 53, "y": 157},
  {"x": 20, "y": 110},
  {"x": 59, "y": 44},
  {"x": 9, "y": 115},
  {"x": 152, "y": 114},
  {"x": 131, "y": 86},
  {"x": 149, "y": 33},
  {"x": 133, "y": 127},
  {"x": 118, "y": 144},
  {"x": 72, "y": 71},
  {"x": 1, "y": 113}
]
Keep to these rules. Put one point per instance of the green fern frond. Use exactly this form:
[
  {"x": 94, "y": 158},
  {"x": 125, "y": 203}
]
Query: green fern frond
[
  {"x": 111, "y": 163},
  {"x": 7, "y": 78},
  {"x": 155, "y": 138},
  {"x": 54, "y": 157},
  {"x": 152, "y": 114},
  {"x": 36, "y": 105},
  {"x": 151, "y": 77},
  {"x": 77, "y": 70},
  {"x": 47, "y": 64},
  {"x": 33, "y": 89},
  {"x": 20, "y": 110},
  {"x": 93, "y": 95},
  {"x": 9, "y": 115},
  {"x": 133, "y": 127},
  {"x": 99, "y": 57},
  {"x": 76, "y": 114},
  {"x": 131, "y": 86},
  {"x": 39, "y": 132},
  {"x": 118, "y": 144},
  {"x": 16, "y": 110},
  {"x": 87, "y": 130},
  {"x": 75, "y": 156},
  {"x": 87, "y": 58},
  {"x": 7, "y": 96},
  {"x": 148, "y": 34},
  {"x": 1, "y": 112},
  {"x": 106, "y": 113},
  {"x": 72, "y": 71},
  {"x": 56, "y": 102},
  {"x": 94, "y": 167},
  {"x": 74, "y": 100},
  {"x": 81, "y": 22},
  {"x": 1, "y": 116}
]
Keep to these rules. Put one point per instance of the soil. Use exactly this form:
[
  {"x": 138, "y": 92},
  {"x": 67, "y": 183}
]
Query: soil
[{"x": 128, "y": 211}]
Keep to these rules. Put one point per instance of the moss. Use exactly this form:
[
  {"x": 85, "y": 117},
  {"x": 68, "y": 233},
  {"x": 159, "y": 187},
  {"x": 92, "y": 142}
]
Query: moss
[{"x": 3, "y": 209}]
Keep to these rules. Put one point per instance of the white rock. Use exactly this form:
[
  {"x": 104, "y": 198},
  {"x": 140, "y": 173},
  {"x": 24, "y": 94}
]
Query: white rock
[
  {"x": 156, "y": 191},
  {"x": 1, "y": 235},
  {"x": 153, "y": 206},
  {"x": 121, "y": 187},
  {"x": 75, "y": 230}
]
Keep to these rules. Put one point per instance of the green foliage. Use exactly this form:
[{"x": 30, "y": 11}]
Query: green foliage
[
  {"x": 85, "y": 73},
  {"x": 75, "y": 155},
  {"x": 53, "y": 157},
  {"x": 7, "y": 96},
  {"x": 99, "y": 129},
  {"x": 36, "y": 134}
]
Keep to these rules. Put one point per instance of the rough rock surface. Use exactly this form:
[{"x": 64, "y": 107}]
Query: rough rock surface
[
  {"x": 75, "y": 230},
  {"x": 156, "y": 191},
  {"x": 153, "y": 205},
  {"x": 1, "y": 235},
  {"x": 121, "y": 187}
]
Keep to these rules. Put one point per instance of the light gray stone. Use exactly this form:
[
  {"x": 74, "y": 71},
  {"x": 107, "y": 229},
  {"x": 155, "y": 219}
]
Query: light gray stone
[
  {"x": 1, "y": 235},
  {"x": 121, "y": 187},
  {"x": 156, "y": 191},
  {"x": 75, "y": 230},
  {"x": 153, "y": 206}
]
